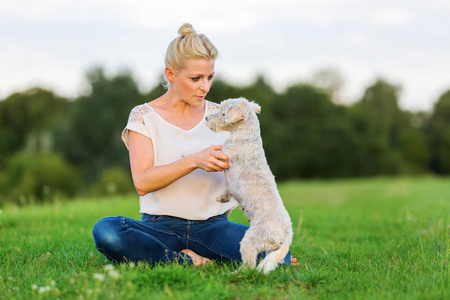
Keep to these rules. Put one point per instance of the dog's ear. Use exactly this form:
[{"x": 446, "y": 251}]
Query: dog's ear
[
  {"x": 255, "y": 106},
  {"x": 234, "y": 115}
]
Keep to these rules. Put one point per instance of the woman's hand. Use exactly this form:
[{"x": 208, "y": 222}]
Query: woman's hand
[
  {"x": 148, "y": 178},
  {"x": 211, "y": 159}
]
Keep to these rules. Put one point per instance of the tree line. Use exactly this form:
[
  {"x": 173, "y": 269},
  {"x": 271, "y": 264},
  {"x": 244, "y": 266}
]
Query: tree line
[{"x": 53, "y": 147}]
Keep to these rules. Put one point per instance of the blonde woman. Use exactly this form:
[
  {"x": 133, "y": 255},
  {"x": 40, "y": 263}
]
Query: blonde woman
[{"x": 177, "y": 169}]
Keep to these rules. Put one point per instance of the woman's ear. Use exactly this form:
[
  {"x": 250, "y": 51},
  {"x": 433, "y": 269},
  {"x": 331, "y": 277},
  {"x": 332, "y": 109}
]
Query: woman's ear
[{"x": 169, "y": 74}]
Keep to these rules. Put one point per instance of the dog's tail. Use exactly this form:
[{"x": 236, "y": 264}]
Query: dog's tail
[{"x": 272, "y": 259}]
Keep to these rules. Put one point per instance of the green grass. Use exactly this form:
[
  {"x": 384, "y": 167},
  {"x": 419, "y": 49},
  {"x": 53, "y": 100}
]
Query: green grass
[{"x": 384, "y": 238}]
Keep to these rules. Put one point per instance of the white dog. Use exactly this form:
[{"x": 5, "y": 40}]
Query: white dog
[{"x": 251, "y": 183}]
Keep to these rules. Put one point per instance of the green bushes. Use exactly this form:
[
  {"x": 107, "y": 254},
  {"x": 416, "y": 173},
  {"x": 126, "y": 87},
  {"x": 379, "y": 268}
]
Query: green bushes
[
  {"x": 113, "y": 181},
  {"x": 47, "y": 177},
  {"x": 38, "y": 178}
]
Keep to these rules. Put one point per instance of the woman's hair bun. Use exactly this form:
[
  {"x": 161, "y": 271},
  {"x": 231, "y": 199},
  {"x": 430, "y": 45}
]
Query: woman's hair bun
[
  {"x": 188, "y": 45},
  {"x": 186, "y": 29}
]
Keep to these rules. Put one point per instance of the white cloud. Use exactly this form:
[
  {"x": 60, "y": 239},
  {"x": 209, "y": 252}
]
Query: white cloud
[
  {"x": 359, "y": 40},
  {"x": 393, "y": 17}
]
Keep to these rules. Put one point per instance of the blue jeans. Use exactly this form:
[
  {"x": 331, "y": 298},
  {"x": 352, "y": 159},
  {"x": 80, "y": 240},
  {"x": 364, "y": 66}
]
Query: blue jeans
[{"x": 156, "y": 239}]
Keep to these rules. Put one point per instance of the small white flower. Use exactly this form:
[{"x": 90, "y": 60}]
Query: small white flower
[
  {"x": 114, "y": 274},
  {"x": 108, "y": 267},
  {"x": 1, "y": 211},
  {"x": 44, "y": 289},
  {"x": 34, "y": 287},
  {"x": 52, "y": 283},
  {"x": 99, "y": 276}
]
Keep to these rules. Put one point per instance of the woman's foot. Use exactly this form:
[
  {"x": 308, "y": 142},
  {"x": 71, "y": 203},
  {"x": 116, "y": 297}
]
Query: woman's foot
[
  {"x": 294, "y": 262},
  {"x": 197, "y": 260}
]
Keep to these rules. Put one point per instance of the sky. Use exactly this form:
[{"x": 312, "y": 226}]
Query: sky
[{"x": 53, "y": 43}]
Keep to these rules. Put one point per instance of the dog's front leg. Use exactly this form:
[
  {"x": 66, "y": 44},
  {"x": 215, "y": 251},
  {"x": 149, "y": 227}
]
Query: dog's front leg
[{"x": 224, "y": 198}]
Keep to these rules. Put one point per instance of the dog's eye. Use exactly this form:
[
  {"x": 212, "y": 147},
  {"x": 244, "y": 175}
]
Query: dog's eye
[{"x": 223, "y": 114}]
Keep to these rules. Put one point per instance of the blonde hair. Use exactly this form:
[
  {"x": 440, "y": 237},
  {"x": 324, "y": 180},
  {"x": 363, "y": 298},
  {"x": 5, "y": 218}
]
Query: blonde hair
[{"x": 189, "y": 45}]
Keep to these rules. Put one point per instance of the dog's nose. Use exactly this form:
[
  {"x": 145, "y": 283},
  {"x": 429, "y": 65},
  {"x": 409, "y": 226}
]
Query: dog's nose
[{"x": 206, "y": 118}]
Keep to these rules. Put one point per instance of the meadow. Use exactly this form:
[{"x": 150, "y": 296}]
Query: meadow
[{"x": 382, "y": 238}]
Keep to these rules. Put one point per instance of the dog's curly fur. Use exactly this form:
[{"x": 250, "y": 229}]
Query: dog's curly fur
[{"x": 252, "y": 184}]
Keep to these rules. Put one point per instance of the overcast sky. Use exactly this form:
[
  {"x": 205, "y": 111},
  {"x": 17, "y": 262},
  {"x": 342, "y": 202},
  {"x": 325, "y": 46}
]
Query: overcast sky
[{"x": 52, "y": 43}]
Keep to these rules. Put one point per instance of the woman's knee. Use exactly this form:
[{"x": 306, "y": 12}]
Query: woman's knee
[{"x": 107, "y": 235}]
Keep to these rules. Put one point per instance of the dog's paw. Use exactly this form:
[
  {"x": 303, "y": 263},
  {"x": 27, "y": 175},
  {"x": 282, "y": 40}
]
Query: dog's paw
[
  {"x": 223, "y": 199},
  {"x": 266, "y": 268}
]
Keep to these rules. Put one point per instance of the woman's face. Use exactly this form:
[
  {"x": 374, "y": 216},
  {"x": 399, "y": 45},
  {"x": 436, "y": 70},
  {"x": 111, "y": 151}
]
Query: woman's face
[{"x": 193, "y": 82}]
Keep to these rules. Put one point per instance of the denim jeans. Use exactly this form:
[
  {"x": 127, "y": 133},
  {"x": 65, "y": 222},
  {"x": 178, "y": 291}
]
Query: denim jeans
[{"x": 161, "y": 238}]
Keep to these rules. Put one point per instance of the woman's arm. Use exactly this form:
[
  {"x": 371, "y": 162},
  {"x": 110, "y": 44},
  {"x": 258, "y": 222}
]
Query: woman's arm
[{"x": 148, "y": 178}]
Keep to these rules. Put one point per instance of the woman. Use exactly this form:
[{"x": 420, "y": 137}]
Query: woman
[{"x": 176, "y": 165}]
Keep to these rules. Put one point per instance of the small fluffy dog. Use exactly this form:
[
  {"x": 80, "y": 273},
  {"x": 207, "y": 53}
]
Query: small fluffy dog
[{"x": 252, "y": 184}]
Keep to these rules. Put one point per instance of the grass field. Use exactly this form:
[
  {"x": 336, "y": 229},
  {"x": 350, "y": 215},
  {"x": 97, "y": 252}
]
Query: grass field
[{"x": 384, "y": 238}]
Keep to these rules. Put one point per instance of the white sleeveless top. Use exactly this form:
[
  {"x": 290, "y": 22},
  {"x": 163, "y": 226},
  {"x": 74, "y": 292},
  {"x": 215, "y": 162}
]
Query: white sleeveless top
[{"x": 192, "y": 196}]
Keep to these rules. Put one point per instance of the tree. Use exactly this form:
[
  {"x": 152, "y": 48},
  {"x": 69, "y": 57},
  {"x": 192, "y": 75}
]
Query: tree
[
  {"x": 221, "y": 90},
  {"x": 413, "y": 144},
  {"x": 330, "y": 80},
  {"x": 312, "y": 135},
  {"x": 156, "y": 92},
  {"x": 30, "y": 117},
  {"x": 377, "y": 125},
  {"x": 91, "y": 137},
  {"x": 439, "y": 135}
]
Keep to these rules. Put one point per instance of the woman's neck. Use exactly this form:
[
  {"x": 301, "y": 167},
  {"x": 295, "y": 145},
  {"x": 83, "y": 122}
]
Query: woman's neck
[
  {"x": 173, "y": 104},
  {"x": 178, "y": 112}
]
